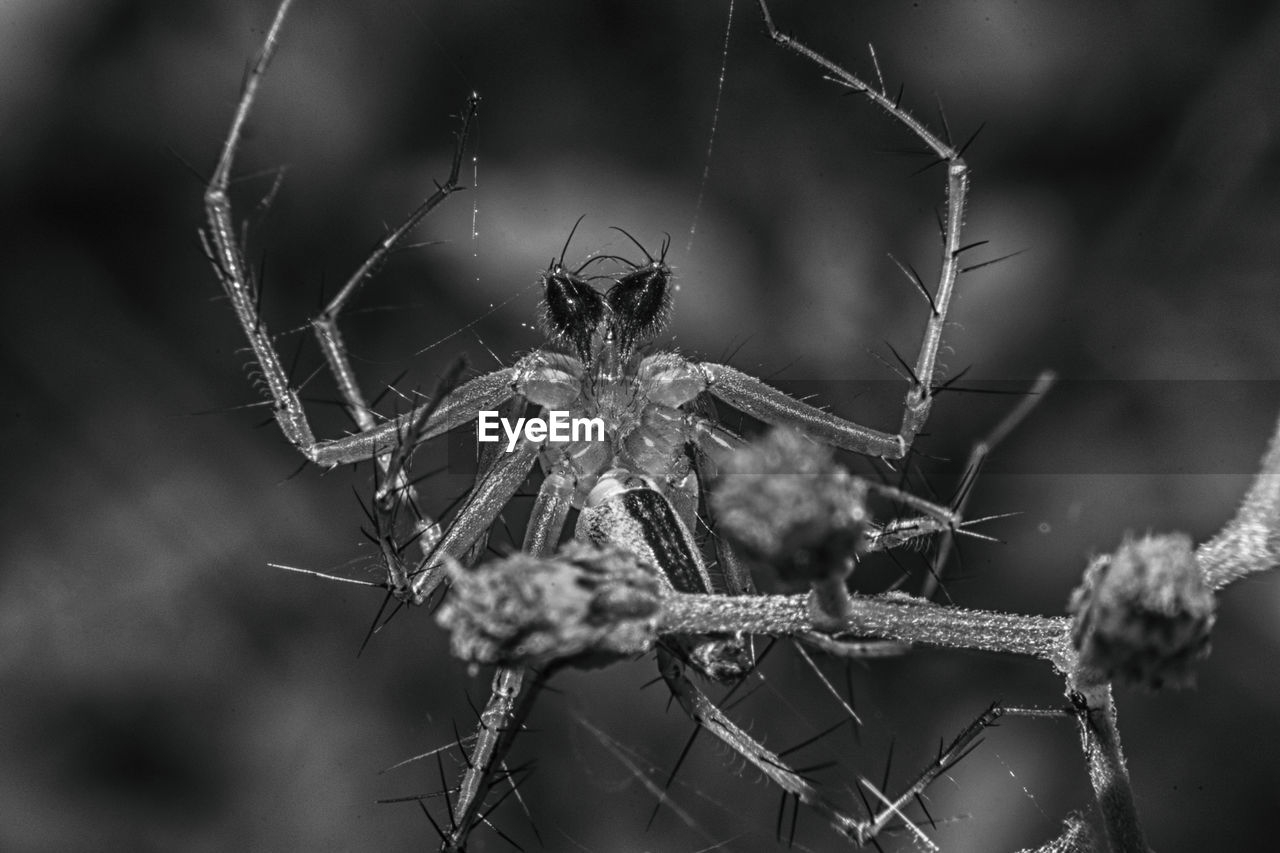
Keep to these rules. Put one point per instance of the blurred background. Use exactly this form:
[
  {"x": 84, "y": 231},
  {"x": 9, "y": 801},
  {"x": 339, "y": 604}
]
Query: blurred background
[{"x": 164, "y": 689}]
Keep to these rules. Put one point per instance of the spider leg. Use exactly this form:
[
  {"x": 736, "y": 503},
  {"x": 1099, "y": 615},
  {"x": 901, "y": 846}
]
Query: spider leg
[
  {"x": 550, "y": 509},
  {"x": 946, "y": 521},
  {"x": 485, "y": 501},
  {"x": 737, "y": 576},
  {"x": 706, "y": 714},
  {"x": 228, "y": 261},
  {"x": 977, "y": 456},
  {"x": 226, "y": 255},
  {"x": 501, "y": 720},
  {"x": 394, "y": 491},
  {"x": 484, "y": 392},
  {"x": 396, "y": 486},
  {"x": 326, "y": 323},
  {"x": 509, "y": 703},
  {"x": 490, "y": 454},
  {"x": 772, "y": 406},
  {"x": 766, "y": 403},
  {"x": 934, "y": 519}
]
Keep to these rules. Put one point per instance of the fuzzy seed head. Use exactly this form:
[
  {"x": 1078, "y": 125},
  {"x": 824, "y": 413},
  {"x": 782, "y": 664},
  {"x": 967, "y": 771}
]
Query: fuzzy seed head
[
  {"x": 585, "y": 604},
  {"x": 786, "y": 504},
  {"x": 1143, "y": 614}
]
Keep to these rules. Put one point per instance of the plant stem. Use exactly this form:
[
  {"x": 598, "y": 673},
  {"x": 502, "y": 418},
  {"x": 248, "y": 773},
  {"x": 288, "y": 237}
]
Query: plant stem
[
  {"x": 893, "y": 616},
  {"x": 1107, "y": 771},
  {"x": 1250, "y": 542}
]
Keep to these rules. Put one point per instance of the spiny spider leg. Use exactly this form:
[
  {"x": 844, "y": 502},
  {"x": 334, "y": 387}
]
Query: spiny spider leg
[
  {"x": 737, "y": 578},
  {"x": 708, "y": 715},
  {"x": 228, "y": 263},
  {"x": 705, "y": 713},
  {"x": 501, "y": 720},
  {"x": 388, "y": 503},
  {"x": 509, "y": 704},
  {"x": 490, "y": 454},
  {"x": 977, "y": 455},
  {"x": 227, "y": 257},
  {"x": 489, "y": 391},
  {"x": 947, "y": 758},
  {"x": 759, "y": 400},
  {"x": 395, "y": 491},
  {"x": 490, "y": 494},
  {"x": 396, "y": 487},
  {"x": 326, "y": 323}
]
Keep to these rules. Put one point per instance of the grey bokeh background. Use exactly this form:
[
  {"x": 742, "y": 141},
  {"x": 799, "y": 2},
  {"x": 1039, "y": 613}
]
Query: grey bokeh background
[{"x": 163, "y": 689}]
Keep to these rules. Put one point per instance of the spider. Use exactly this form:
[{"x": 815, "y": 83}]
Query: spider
[{"x": 640, "y": 489}]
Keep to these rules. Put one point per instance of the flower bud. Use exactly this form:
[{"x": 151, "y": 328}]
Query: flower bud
[
  {"x": 1143, "y": 614},
  {"x": 784, "y": 503},
  {"x": 584, "y": 603}
]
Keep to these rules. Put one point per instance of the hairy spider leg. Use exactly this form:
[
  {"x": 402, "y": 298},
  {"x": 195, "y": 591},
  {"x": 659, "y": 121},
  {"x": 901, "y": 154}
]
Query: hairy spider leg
[
  {"x": 489, "y": 391},
  {"x": 227, "y": 257},
  {"x": 706, "y": 714},
  {"x": 374, "y": 440},
  {"x": 228, "y": 263},
  {"x": 737, "y": 578},
  {"x": 396, "y": 487},
  {"x": 500, "y": 476},
  {"x": 484, "y": 502},
  {"x": 509, "y": 703},
  {"x": 325, "y": 323},
  {"x": 761, "y": 401}
]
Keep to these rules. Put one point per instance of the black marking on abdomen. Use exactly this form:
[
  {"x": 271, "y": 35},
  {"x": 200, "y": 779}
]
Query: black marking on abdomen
[
  {"x": 642, "y": 521},
  {"x": 666, "y": 538}
]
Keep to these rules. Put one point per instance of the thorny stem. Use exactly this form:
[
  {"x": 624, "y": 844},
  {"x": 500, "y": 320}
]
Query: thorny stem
[{"x": 893, "y": 616}]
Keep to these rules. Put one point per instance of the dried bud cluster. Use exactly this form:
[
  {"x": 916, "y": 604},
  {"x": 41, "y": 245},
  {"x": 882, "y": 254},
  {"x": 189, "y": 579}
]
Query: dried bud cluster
[
  {"x": 786, "y": 504},
  {"x": 1143, "y": 614},
  {"x": 583, "y": 603}
]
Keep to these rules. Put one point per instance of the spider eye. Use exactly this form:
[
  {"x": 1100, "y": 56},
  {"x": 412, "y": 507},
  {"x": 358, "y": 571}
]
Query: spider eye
[
  {"x": 572, "y": 308},
  {"x": 640, "y": 302}
]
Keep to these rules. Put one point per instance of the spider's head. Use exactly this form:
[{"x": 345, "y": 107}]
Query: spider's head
[{"x": 632, "y": 311}]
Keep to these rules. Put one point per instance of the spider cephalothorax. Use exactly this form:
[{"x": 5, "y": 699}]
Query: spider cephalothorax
[{"x": 637, "y": 397}]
